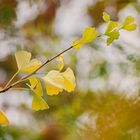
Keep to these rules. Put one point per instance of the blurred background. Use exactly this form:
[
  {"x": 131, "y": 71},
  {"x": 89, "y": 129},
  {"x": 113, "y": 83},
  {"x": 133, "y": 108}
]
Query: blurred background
[{"x": 105, "y": 104}]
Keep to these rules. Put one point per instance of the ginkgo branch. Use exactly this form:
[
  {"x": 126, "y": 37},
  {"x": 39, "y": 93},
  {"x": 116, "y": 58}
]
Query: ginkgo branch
[{"x": 29, "y": 75}]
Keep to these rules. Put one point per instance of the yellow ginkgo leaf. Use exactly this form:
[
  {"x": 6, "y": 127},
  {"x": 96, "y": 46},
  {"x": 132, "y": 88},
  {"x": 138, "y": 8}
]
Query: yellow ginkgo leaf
[
  {"x": 39, "y": 103},
  {"x": 36, "y": 86},
  {"x": 77, "y": 44},
  {"x": 89, "y": 35},
  {"x": 60, "y": 62},
  {"x": 3, "y": 119},
  {"x": 111, "y": 26},
  {"x": 22, "y": 58},
  {"x": 54, "y": 82},
  {"x": 69, "y": 80},
  {"x": 24, "y": 62}
]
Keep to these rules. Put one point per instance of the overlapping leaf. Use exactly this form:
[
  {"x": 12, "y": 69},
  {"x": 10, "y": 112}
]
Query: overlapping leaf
[
  {"x": 56, "y": 81},
  {"x": 112, "y": 30}
]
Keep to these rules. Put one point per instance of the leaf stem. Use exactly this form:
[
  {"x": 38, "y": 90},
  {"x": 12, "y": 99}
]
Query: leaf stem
[{"x": 12, "y": 78}]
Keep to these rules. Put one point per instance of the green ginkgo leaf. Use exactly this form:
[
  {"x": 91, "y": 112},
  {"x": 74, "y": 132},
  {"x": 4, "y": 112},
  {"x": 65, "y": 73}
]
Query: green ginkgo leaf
[
  {"x": 109, "y": 41},
  {"x": 128, "y": 24},
  {"x": 111, "y": 26},
  {"x": 129, "y": 20},
  {"x": 113, "y": 36},
  {"x": 131, "y": 27},
  {"x": 89, "y": 35}
]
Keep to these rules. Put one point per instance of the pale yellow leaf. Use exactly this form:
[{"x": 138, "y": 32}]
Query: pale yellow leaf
[
  {"x": 39, "y": 103},
  {"x": 60, "y": 64},
  {"x": 22, "y": 58},
  {"x": 69, "y": 80},
  {"x": 3, "y": 119},
  {"x": 36, "y": 86}
]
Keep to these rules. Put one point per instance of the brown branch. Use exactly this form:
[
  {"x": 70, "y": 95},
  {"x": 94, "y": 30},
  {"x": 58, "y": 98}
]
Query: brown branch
[{"x": 27, "y": 76}]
